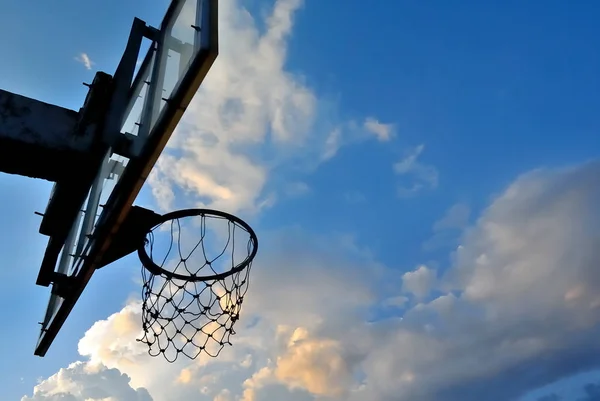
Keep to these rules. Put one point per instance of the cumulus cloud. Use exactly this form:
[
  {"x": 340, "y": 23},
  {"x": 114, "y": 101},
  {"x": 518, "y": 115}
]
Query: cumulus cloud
[
  {"x": 507, "y": 304},
  {"x": 86, "y": 382},
  {"x": 248, "y": 99},
  {"x": 516, "y": 309},
  {"x": 292, "y": 292},
  {"x": 316, "y": 365},
  {"x": 423, "y": 176},
  {"x": 84, "y": 59},
  {"x": 224, "y": 395},
  {"x": 124, "y": 328},
  {"x": 506, "y": 310},
  {"x": 418, "y": 282}
]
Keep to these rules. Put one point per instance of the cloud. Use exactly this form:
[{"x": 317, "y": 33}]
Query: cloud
[
  {"x": 252, "y": 122},
  {"x": 121, "y": 344},
  {"x": 383, "y": 132},
  {"x": 447, "y": 229},
  {"x": 506, "y": 311},
  {"x": 314, "y": 364},
  {"x": 457, "y": 217},
  {"x": 185, "y": 376},
  {"x": 85, "y": 382},
  {"x": 423, "y": 176},
  {"x": 299, "y": 304},
  {"x": 84, "y": 59},
  {"x": 517, "y": 308},
  {"x": 307, "y": 366},
  {"x": 503, "y": 324},
  {"x": 327, "y": 267},
  {"x": 332, "y": 143},
  {"x": 418, "y": 282},
  {"x": 224, "y": 395},
  {"x": 247, "y": 101},
  {"x": 298, "y": 188}
]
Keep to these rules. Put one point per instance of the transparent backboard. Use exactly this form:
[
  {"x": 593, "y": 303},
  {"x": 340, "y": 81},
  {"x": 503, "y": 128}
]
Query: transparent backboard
[{"x": 169, "y": 75}]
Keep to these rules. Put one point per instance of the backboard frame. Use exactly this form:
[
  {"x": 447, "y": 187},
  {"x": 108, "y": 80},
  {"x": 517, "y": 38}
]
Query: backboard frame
[{"x": 143, "y": 151}]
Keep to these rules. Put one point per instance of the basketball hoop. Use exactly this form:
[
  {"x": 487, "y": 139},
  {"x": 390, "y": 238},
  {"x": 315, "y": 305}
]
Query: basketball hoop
[{"x": 193, "y": 289}]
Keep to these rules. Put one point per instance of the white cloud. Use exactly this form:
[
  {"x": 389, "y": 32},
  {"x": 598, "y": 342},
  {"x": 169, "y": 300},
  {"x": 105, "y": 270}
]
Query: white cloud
[
  {"x": 327, "y": 267},
  {"x": 224, "y": 395},
  {"x": 257, "y": 381},
  {"x": 112, "y": 342},
  {"x": 512, "y": 301},
  {"x": 507, "y": 312},
  {"x": 252, "y": 121},
  {"x": 84, "y": 382},
  {"x": 120, "y": 345},
  {"x": 383, "y": 132},
  {"x": 332, "y": 143},
  {"x": 306, "y": 366},
  {"x": 248, "y": 99},
  {"x": 304, "y": 285},
  {"x": 419, "y": 282},
  {"x": 84, "y": 59},
  {"x": 521, "y": 295},
  {"x": 316, "y": 365},
  {"x": 423, "y": 176}
]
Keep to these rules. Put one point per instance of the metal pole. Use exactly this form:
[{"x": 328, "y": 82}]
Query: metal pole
[
  {"x": 91, "y": 208},
  {"x": 63, "y": 268}
]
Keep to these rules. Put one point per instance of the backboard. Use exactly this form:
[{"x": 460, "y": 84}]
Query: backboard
[{"x": 135, "y": 115}]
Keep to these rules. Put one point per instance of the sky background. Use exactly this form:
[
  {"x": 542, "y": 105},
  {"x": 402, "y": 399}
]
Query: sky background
[{"x": 423, "y": 178}]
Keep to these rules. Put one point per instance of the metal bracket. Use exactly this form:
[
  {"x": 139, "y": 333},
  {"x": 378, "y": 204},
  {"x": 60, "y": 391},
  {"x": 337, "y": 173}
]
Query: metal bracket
[
  {"x": 62, "y": 285},
  {"x": 126, "y": 146},
  {"x": 115, "y": 168},
  {"x": 151, "y": 33},
  {"x": 131, "y": 234}
]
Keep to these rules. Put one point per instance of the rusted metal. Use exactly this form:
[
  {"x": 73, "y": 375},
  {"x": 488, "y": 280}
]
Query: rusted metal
[{"x": 38, "y": 139}]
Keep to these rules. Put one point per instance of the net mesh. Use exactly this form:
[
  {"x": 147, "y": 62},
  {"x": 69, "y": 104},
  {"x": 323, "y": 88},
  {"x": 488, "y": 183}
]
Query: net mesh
[{"x": 190, "y": 306}]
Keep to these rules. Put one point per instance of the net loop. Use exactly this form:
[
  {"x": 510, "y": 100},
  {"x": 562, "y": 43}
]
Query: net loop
[{"x": 196, "y": 270}]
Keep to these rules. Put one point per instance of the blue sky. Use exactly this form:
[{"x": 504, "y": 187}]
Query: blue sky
[{"x": 422, "y": 177}]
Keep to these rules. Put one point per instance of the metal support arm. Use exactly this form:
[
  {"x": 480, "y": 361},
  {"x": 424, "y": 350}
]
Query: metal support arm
[{"x": 38, "y": 139}]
